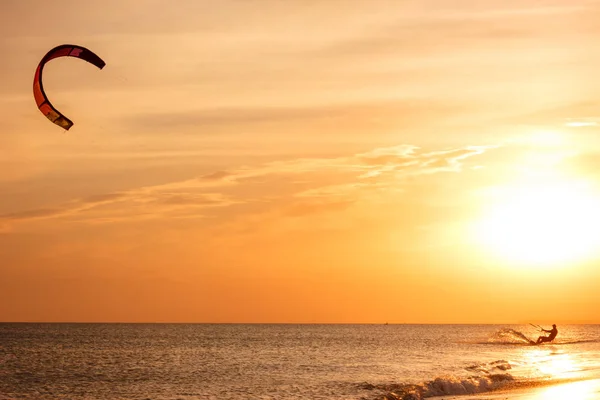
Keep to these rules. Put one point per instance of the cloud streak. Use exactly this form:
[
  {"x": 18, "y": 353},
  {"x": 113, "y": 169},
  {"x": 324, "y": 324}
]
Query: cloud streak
[
  {"x": 145, "y": 201},
  {"x": 329, "y": 184}
]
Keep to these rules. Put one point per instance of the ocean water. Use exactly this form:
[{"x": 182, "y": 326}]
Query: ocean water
[{"x": 264, "y": 361}]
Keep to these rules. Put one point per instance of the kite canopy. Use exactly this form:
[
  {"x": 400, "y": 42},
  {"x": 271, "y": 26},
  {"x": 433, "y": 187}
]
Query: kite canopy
[{"x": 65, "y": 50}]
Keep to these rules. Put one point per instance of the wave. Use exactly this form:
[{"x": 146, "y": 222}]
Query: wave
[
  {"x": 487, "y": 377},
  {"x": 484, "y": 377},
  {"x": 449, "y": 386},
  {"x": 444, "y": 386}
]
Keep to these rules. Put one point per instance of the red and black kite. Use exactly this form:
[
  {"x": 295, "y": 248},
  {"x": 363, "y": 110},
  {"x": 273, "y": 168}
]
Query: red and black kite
[{"x": 65, "y": 50}]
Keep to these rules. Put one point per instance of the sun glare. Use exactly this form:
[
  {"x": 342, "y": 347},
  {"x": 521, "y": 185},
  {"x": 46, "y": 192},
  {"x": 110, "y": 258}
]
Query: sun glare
[
  {"x": 541, "y": 139},
  {"x": 562, "y": 366},
  {"x": 547, "y": 138},
  {"x": 542, "y": 224},
  {"x": 584, "y": 390}
]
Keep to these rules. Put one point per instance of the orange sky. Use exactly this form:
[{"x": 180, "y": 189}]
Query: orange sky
[{"x": 302, "y": 161}]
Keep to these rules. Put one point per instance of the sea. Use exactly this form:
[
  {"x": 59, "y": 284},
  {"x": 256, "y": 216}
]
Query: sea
[{"x": 286, "y": 361}]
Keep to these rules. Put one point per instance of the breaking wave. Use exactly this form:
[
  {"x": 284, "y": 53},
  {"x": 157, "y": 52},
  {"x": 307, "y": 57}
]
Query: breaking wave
[
  {"x": 485, "y": 377},
  {"x": 443, "y": 386}
]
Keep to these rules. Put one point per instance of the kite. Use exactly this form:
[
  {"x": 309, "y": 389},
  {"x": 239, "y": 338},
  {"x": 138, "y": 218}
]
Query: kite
[{"x": 44, "y": 105}]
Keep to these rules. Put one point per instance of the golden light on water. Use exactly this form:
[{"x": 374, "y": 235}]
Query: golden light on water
[
  {"x": 552, "y": 364},
  {"x": 578, "y": 390},
  {"x": 555, "y": 366},
  {"x": 558, "y": 366}
]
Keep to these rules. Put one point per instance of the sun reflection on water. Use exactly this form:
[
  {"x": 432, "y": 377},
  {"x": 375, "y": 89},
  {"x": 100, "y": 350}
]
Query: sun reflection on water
[
  {"x": 554, "y": 365},
  {"x": 560, "y": 366},
  {"x": 582, "y": 390}
]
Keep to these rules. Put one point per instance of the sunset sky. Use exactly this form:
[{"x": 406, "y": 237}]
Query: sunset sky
[{"x": 302, "y": 161}]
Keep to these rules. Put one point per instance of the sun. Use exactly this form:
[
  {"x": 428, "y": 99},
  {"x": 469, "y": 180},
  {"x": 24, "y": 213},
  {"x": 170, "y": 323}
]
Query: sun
[{"x": 541, "y": 223}]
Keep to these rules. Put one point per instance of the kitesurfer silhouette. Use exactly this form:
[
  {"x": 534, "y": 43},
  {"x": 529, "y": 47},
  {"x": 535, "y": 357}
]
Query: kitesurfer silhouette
[{"x": 553, "y": 332}]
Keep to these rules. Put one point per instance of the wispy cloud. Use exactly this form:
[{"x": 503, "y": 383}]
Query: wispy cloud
[
  {"x": 74, "y": 207},
  {"x": 329, "y": 184},
  {"x": 582, "y": 122},
  {"x": 148, "y": 202}
]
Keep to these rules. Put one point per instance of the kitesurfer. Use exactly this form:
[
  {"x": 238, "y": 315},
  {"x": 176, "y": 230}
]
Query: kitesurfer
[{"x": 553, "y": 332}]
